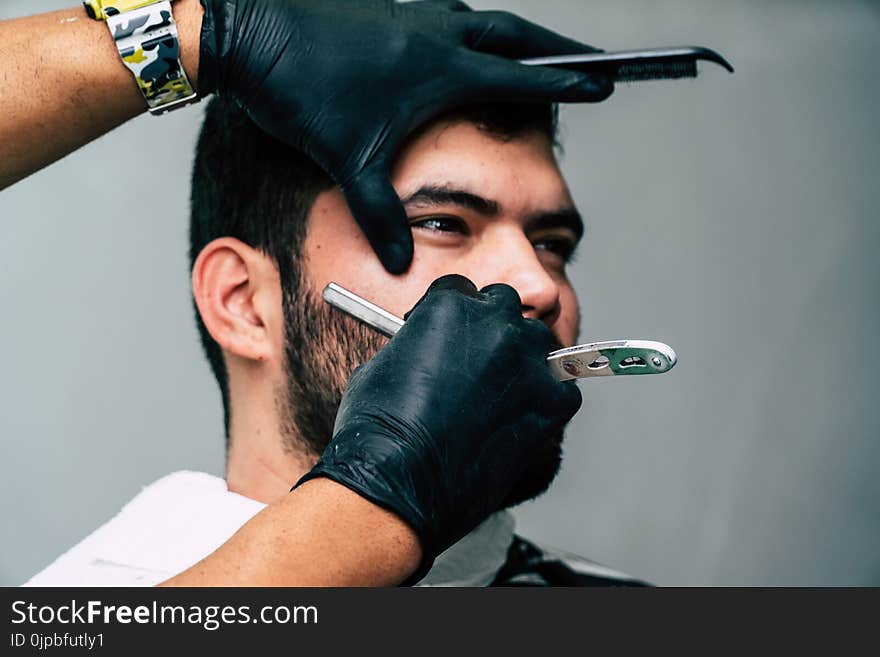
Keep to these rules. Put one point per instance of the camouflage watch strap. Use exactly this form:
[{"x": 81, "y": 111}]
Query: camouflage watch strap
[
  {"x": 147, "y": 41},
  {"x": 102, "y": 9}
]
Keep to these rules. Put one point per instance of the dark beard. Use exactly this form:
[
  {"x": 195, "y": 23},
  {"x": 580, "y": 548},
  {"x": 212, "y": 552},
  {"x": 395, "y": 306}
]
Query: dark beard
[{"x": 323, "y": 347}]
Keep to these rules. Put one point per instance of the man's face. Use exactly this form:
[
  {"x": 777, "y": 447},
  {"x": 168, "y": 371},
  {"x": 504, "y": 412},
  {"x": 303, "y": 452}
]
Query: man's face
[{"x": 493, "y": 211}]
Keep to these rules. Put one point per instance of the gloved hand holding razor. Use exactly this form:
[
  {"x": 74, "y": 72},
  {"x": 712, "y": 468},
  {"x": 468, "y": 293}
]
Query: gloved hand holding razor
[{"x": 456, "y": 418}]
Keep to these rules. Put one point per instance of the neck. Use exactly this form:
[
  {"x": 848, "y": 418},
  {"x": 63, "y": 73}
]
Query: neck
[
  {"x": 261, "y": 473},
  {"x": 260, "y": 462}
]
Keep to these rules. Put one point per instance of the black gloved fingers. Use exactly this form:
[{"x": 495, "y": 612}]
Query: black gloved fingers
[
  {"x": 376, "y": 207},
  {"x": 538, "y": 335},
  {"x": 509, "y": 81},
  {"x": 506, "y": 34},
  {"x": 506, "y": 299},
  {"x": 560, "y": 399},
  {"x": 455, "y": 282}
]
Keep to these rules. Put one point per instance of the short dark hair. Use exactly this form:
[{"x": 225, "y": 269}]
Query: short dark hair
[{"x": 250, "y": 186}]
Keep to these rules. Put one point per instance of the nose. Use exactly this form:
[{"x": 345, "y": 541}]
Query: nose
[{"x": 516, "y": 264}]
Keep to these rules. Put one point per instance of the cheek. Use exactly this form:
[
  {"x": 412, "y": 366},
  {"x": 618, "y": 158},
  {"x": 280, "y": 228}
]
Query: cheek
[
  {"x": 398, "y": 294},
  {"x": 335, "y": 250}
]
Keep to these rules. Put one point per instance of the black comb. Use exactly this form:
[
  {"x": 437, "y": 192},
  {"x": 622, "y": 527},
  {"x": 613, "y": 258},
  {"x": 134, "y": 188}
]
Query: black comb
[{"x": 636, "y": 65}]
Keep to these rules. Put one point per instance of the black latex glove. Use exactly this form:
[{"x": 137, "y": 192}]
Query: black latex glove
[
  {"x": 346, "y": 80},
  {"x": 441, "y": 423}
]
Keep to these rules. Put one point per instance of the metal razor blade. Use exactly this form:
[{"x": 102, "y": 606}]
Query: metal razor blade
[{"x": 613, "y": 358}]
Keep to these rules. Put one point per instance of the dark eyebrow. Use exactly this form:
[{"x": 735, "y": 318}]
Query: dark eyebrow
[{"x": 443, "y": 195}]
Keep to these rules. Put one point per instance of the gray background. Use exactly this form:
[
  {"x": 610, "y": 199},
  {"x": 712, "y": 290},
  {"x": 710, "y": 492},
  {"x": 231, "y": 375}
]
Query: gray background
[{"x": 733, "y": 217}]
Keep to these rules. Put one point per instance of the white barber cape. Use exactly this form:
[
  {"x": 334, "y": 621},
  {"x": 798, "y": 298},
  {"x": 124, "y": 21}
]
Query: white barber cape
[{"x": 183, "y": 517}]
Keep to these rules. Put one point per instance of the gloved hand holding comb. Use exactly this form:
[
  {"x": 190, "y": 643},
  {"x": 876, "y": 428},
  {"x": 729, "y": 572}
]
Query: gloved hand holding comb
[{"x": 345, "y": 81}]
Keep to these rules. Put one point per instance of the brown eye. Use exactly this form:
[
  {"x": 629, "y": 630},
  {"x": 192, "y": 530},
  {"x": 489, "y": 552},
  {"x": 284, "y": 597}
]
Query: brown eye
[
  {"x": 561, "y": 247},
  {"x": 441, "y": 224}
]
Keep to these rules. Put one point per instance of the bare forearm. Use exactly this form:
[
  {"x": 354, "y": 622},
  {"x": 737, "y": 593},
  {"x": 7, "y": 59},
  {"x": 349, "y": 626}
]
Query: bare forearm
[
  {"x": 64, "y": 85},
  {"x": 321, "y": 534}
]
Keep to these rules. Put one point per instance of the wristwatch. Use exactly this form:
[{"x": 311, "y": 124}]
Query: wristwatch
[{"x": 147, "y": 41}]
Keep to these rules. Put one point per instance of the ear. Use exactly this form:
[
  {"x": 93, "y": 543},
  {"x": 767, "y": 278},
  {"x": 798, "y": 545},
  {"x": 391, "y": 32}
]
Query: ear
[{"x": 238, "y": 294}]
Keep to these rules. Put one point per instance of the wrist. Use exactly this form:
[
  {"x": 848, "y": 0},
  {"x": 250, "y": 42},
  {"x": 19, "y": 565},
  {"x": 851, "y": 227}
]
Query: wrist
[
  {"x": 390, "y": 501},
  {"x": 370, "y": 545},
  {"x": 157, "y": 41}
]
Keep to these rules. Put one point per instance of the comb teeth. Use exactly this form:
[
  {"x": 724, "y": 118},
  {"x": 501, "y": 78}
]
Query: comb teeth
[{"x": 655, "y": 71}]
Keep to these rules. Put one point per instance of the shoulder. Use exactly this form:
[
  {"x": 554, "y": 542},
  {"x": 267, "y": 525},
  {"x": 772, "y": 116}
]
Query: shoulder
[
  {"x": 170, "y": 525},
  {"x": 531, "y": 564}
]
